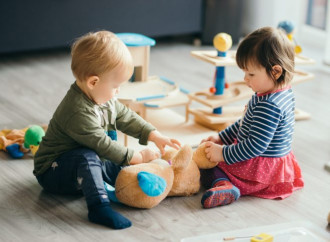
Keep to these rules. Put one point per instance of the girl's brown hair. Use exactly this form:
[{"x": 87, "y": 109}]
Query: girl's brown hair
[{"x": 267, "y": 47}]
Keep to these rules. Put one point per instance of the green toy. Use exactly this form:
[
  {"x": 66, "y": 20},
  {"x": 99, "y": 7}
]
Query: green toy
[{"x": 33, "y": 137}]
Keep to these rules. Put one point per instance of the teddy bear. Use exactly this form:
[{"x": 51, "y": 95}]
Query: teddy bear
[{"x": 175, "y": 174}]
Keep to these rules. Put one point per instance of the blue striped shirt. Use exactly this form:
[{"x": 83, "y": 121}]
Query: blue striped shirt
[{"x": 265, "y": 130}]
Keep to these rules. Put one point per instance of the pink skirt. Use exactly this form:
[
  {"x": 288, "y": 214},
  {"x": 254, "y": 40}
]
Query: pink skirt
[{"x": 265, "y": 177}]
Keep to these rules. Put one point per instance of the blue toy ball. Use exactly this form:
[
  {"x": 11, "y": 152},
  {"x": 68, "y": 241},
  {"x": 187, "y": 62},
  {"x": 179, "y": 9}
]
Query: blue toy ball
[{"x": 286, "y": 25}]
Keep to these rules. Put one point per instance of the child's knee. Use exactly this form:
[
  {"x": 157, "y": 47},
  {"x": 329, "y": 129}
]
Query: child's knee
[{"x": 89, "y": 156}]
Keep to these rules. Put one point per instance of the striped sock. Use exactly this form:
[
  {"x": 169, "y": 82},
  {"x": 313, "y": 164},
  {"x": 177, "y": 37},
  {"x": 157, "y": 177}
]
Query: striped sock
[{"x": 223, "y": 192}]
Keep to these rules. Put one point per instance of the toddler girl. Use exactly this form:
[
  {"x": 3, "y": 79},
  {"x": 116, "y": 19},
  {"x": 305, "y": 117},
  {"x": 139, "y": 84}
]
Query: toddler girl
[{"x": 254, "y": 154}]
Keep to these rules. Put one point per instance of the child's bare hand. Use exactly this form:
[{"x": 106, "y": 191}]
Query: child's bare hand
[
  {"x": 149, "y": 155},
  {"x": 213, "y": 152},
  {"x": 144, "y": 156},
  {"x": 161, "y": 141},
  {"x": 213, "y": 138}
]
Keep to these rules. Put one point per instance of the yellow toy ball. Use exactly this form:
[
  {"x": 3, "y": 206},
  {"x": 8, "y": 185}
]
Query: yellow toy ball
[
  {"x": 222, "y": 42},
  {"x": 297, "y": 49}
]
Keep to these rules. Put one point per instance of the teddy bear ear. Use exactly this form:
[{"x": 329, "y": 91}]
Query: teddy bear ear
[
  {"x": 183, "y": 157},
  {"x": 200, "y": 158}
]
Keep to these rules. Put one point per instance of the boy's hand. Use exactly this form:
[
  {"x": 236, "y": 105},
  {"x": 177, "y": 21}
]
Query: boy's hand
[
  {"x": 161, "y": 141},
  {"x": 144, "y": 156},
  {"x": 149, "y": 155},
  {"x": 213, "y": 152},
  {"x": 213, "y": 138}
]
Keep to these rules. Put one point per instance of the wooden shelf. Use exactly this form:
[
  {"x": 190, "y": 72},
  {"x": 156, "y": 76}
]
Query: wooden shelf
[
  {"x": 171, "y": 124},
  {"x": 154, "y": 88},
  {"x": 301, "y": 115},
  {"x": 171, "y": 101},
  {"x": 229, "y": 115},
  {"x": 217, "y": 122},
  {"x": 211, "y": 56},
  {"x": 236, "y": 91},
  {"x": 301, "y": 76}
]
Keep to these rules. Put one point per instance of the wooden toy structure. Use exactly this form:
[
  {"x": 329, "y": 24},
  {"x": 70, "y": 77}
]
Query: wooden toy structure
[
  {"x": 143, "y": 92},
  {"x": 288, "y": 28},
  {"x": 221, "y": 93}
]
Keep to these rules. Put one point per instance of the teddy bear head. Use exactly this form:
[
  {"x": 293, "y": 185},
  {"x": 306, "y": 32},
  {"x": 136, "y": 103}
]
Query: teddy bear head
[
  {"x": 186, "y": 165},
  {"x": 144, "y": 185}
]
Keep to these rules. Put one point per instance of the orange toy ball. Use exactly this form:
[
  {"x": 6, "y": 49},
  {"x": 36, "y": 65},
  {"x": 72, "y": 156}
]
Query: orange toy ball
[{"x": 213, "y": 89}]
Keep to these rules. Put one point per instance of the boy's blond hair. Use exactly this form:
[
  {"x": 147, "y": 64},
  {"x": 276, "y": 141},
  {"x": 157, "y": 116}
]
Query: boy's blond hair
[{"x": 97, "y": 53}]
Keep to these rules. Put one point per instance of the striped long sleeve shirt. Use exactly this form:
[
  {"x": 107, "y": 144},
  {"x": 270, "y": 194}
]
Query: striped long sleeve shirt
[{"x": 265, "y": 130}]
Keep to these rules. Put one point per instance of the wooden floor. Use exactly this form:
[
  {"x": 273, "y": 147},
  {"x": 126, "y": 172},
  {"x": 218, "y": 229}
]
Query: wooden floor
[{"x": 32, "y": 85}]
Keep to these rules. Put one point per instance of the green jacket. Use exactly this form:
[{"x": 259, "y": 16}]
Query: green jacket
[{"x": 79, "y": 122}]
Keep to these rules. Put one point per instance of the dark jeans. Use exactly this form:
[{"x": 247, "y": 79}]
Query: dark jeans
[{"x": 80, "y": 170}]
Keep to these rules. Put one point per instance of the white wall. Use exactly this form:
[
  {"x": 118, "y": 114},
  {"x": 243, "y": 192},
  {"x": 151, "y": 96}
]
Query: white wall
[
  {"x": 327, "y": 45},
  {"x": 260, "y": 13}
]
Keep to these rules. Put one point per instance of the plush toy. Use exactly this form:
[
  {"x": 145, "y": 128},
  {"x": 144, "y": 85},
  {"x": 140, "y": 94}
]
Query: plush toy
[
  {"x": 11, "y": 141},
  {"x": 176, "y": 174},
  {"x": 33, "y": 137},
  {"x": 17, "y": 142}
]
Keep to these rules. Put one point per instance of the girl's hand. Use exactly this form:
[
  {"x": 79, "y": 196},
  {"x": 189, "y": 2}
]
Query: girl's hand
[
  {"x": 213, "y": 138},
  {"x": 161, "y": 141},
  {"x": 213, "y": 152}
]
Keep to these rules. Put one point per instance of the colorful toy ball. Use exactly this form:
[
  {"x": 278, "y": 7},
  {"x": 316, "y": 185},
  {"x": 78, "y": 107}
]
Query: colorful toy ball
[
  {"x": 287, "y": 26},
  {"x": 213, "y": 90},
  {"x": 222, "y": 42}
]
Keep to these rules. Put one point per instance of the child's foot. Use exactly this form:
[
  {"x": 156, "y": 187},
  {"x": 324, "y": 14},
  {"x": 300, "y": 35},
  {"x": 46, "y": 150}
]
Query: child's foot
[
  {"x": 223, "y": 192},
  {"x": 103, "y": 214}
]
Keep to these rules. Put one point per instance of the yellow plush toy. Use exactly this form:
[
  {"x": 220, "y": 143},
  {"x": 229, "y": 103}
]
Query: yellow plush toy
[
  {"x": 16, "y": 142},
  {"x": 176, "y": 174}
]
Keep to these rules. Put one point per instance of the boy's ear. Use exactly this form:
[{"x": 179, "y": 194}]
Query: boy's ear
[
  {"x": 92, "y": 81},
  {"x": 277, "y": 71}
]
